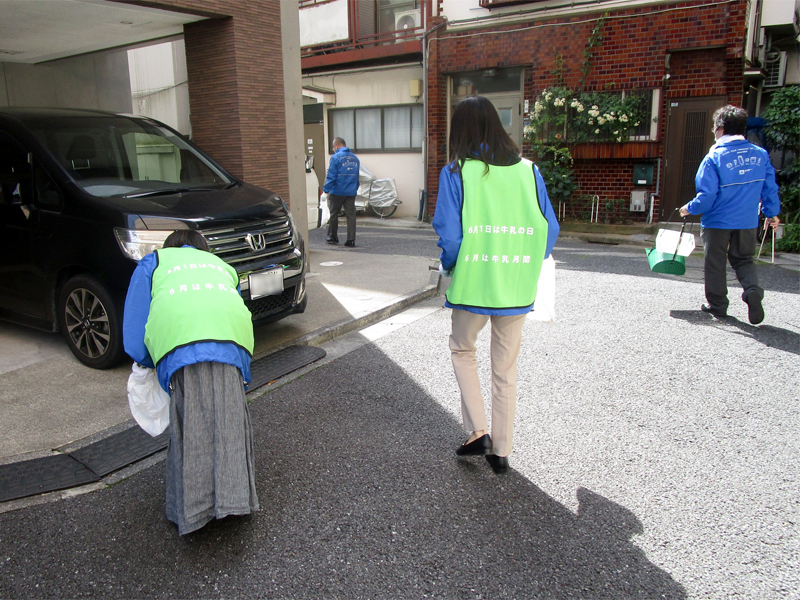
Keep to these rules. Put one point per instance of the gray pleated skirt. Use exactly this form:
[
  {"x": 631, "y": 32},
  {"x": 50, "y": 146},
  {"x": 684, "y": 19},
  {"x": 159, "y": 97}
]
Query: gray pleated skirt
[{"x": 209, "y": 471}]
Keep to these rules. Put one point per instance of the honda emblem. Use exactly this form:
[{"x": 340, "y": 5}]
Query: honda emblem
[{"x": 256, "y": 242}]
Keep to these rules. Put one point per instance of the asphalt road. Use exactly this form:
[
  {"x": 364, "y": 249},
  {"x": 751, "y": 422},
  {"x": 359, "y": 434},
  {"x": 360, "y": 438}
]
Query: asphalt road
[{"x": 656, "y": 456}]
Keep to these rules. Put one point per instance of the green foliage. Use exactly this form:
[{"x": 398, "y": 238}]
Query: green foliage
[
  {"x": 783, "y": 132},
  {"x": 595, "y": 39},
  {"x": 783, "y": 119},
  {"x": 555, "y": 164},
  {"x": 790, "y": 242},
  {"x": 562, "y": 116}
]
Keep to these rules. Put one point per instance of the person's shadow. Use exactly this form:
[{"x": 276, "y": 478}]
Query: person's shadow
[
  {"x": 361, "y": 496},
  {"x": 769, "y": 335}
]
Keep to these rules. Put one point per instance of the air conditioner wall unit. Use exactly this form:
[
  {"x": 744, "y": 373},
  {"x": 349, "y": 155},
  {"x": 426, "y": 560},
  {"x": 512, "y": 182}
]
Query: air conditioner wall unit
[
  {"x": 407, "y": 19},
  {"x": 775, "y": 66}
]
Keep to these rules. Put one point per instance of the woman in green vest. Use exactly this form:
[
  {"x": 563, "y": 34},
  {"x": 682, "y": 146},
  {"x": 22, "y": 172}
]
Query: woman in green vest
[
  {"x": 496, "y": 226},
  {"x": 184, "y": 316}
]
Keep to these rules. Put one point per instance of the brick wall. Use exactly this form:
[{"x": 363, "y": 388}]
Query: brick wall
[
  {"x": 704, "y": 42},
  {"x": 235, "y": 68}
]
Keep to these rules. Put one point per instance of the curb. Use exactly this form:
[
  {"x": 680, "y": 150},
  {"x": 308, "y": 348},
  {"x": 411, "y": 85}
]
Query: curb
[
  {"x": 314, "y": 338},
  {"x": 345, "y": 326}
]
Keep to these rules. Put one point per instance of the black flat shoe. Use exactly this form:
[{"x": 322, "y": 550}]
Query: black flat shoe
[
  {"x": 499, "y": 464},
  {"x": 332, "y": 240},
  {"x": 755, "y": 312},
  {"x": 479, "y": 447},
  {"x": 713, "y": 311},
  {"x": 350, "y": 244}
]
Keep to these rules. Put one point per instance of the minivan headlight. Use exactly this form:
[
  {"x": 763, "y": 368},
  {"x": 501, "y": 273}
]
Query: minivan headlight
[{"x": 137, "y": 243}]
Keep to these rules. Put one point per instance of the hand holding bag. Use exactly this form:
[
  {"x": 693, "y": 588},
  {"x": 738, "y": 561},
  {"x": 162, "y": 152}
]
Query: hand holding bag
[
  {"x": 544, "y": 308},
  {"x": 148, "y": 401}
]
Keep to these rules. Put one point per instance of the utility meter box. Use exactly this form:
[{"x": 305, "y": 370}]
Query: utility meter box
[
  {"x": 643, "y": 174},
  {"x": 639, "y": 200}
]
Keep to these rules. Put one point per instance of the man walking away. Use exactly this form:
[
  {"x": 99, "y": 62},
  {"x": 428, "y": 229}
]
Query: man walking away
[
  {"x": 733, "y": 178},
  {"x": 341, "y": 185}
]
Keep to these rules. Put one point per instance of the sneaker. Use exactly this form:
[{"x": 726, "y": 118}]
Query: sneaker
[{"x": 755, "y": 312}]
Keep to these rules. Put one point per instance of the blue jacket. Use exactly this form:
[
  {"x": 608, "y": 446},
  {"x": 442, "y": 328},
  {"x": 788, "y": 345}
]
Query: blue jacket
[
  {"x": 447, "y": 223},
  {"x": 733, "y": 177},
  {"x": 342, "y": 179},
  {"x": 137, "y": 310}
]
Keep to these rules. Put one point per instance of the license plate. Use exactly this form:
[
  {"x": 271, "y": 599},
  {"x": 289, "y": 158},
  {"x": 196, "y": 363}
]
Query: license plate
[{"x": 266, "y": 283}]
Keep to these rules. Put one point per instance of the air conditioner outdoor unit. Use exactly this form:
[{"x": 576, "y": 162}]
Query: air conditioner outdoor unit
[
  {"x": 639, "y": 200},
  {"x": 775, "y": 66},
  {"x": 406, "y": 19}
]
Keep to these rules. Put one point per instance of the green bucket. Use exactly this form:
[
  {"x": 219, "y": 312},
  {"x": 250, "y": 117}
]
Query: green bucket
[{"x": 665, "y": 262}]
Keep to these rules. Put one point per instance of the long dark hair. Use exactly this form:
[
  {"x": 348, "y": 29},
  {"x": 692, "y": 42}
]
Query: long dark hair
[
  {"x": 476, "y": 132},
  {"x": 186, "y": 237}
]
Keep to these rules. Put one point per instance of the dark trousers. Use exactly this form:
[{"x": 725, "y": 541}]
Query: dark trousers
[
  {"x": 335, "y": 204},
  {"x": 736, "y": 246}
]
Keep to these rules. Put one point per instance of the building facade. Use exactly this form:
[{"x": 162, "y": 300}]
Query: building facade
[{"x": 678, "y": 60}]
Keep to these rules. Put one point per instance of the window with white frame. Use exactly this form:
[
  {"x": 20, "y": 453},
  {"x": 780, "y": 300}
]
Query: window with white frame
[{"x": 378, "y": 128}]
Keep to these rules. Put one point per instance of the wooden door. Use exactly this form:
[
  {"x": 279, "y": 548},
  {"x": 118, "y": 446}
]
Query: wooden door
[{"x": 690, "y": 134}]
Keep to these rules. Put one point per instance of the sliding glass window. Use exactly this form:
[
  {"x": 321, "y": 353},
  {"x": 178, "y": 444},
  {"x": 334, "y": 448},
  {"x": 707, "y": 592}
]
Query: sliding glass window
[{"x": 378, "y": 129}]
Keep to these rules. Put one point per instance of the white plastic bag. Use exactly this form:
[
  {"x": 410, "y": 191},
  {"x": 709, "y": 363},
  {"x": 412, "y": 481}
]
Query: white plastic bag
[
  {"x": 148, "y": 401},
  {"x": 667, "y": 240},
  {"x": 544, "y": 308},
  {"x": 326, "y": 211}
]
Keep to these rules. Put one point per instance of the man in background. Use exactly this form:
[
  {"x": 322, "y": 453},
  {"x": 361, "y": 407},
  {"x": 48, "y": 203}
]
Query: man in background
[
  {"x": 341, "y": 185},
  {"x": 733, "y": 178}
]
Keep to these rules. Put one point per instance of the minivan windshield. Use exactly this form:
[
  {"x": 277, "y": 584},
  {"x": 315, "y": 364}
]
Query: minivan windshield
[{"x": 119, "y": 156}]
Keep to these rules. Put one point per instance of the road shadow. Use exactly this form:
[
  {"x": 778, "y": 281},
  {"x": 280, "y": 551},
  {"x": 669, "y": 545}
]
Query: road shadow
[
  {"x": 362, "y": 496},
  {"x": 769, "y": 335}
]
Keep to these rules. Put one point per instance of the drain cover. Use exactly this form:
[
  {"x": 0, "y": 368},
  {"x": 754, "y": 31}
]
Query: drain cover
[
  {"x": 120, "y": 450},
  {"x": 280, "y": 363},
  {"x": 41, "y": 475}
]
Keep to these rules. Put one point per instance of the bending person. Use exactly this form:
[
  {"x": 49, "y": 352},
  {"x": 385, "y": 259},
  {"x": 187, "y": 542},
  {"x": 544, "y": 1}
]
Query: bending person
[{"x": 185, "y": 317}]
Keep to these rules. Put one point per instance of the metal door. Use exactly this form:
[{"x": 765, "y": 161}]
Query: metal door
[{"x": 509, "y": 108}]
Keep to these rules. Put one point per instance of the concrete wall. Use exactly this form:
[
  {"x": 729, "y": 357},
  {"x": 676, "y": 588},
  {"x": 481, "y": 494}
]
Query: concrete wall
[
  {"x": 96, "y": 81},
  {"x": 159, "y": 84},
  {"x": 380, "y": 87}
]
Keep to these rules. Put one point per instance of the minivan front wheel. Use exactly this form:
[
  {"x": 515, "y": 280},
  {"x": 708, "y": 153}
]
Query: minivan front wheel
[{"x": 90, "y": 322}]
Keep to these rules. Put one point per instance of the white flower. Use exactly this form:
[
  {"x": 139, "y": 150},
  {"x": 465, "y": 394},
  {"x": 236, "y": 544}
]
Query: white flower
[
  {"x": 636, "y": 124},
  {"x": 594, "y": 112},
  {"x": 591, "y": 121},
  {"x": 609, "y": 116},
  {"x": 624, "y": 118},
  {"x": 595, "y": 107},
  {"x": 597, "y": 131},
  {"x": 616, "y": 133},
  {"x": 579, "y": 108},
  {"x": 600, "y": 121}
]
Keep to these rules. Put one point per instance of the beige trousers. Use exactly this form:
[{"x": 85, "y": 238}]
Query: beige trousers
[{"x": 506, "y": 338}]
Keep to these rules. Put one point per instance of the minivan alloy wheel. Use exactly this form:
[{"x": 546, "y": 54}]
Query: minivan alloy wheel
[
  {"x": 87, "y": 323},
  {"x": 90, "y": 322}
]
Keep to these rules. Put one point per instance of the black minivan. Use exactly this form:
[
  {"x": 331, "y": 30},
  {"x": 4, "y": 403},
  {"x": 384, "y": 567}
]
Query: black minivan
[{"x": 85, "y": 194}]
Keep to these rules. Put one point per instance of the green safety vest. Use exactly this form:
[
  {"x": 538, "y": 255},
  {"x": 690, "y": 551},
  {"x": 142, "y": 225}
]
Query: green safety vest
[
  {"x": 194, "y": 299},
  {"x": 504, "y": 237}
]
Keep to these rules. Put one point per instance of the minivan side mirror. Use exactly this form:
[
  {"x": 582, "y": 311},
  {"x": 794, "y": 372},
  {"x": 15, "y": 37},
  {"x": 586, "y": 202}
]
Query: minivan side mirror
[{"x": 11, "y": 192}]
